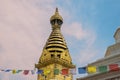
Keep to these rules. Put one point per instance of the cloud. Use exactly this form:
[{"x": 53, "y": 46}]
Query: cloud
[
  {"x": 1, "y": 48},
  {"x": 23, "y": 26},
  {"x": 75, "y": 30},
  {"x": 24, "y": 29},
  {"x": 83, "y": 37},
  {"x": 86, "y": 56}
]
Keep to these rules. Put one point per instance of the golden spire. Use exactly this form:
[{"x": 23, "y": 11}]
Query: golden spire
[
  {"x": 55, "y": 49},
  {"x": 56, "y": 16},
  {"x": 55, "y": 53}
]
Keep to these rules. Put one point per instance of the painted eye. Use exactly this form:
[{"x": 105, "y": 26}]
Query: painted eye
[
  {"x": 59, "y": 22},
  {"x": 53, "y": 22}
]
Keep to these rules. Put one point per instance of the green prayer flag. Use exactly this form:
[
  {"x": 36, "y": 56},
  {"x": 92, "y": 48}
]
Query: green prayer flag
[
  {"x": 102, "y": 68},
  {"x": 56, "y": 71},
  {"x": 18, "y": 71}
]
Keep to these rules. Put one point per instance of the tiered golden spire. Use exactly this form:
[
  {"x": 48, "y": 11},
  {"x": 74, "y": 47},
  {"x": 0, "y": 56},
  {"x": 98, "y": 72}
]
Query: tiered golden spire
[{"x": 55, "y": 50}]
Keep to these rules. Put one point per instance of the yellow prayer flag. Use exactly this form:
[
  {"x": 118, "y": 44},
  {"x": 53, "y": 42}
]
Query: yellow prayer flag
[
  {"x": 14, "y": 71},
  {"x": 91, "y": 69},
  {"x": 46, "y": 71}
]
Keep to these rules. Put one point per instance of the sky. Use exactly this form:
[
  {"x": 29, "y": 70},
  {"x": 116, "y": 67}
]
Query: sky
[{"x": 88, "y": 28}]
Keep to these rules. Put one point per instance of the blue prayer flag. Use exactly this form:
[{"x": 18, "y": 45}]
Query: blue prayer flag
[
  {"x": 8, "y": 70},
  {"x": 82, "y": 70},
  {"x": 39, "y": 71}
]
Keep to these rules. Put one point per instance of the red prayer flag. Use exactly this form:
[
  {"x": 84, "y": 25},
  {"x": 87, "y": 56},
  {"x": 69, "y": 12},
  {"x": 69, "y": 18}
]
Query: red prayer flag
[
  {"x": 114, "y": 67},
  {"x": 26, "y": 72},
  {"x": 64, "y": 71}
]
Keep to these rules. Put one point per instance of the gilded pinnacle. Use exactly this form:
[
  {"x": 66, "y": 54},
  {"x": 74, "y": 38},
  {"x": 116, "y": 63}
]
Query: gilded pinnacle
[
  {"x": 56, "y": 16},
  {"x": 56, "y": 9},
  {"x": 55, "y": 54}
]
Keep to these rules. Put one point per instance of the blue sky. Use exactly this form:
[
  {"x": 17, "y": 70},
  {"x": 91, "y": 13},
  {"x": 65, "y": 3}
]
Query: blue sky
[{"x": 89, "y": 26}]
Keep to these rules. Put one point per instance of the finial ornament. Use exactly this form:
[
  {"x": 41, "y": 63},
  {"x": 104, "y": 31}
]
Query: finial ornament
[
  {"x": 56, "y": 9},
  {"x": 56, "y": 16}
]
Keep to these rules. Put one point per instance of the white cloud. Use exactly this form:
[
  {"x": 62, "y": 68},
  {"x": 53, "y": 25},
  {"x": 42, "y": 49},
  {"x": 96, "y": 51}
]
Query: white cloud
[
  {"x": 75, "y": 30},
  {"x": 87, "y": 37},
  {"x": 24, "y": 29},
  {"x": 23, "y": 25}
]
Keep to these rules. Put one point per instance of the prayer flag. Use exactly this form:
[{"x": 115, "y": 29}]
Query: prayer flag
[
  {"x": 113, "y": 67},
  {"x": 18, "y": 71},
  {"x": 26, "y": 72},
  {"x": 64, "y": 71},
  {"x": 8, "y": 70},
  {"x": 33, "y": 71},
  {"x": 46, "y": 71},
  {"x": 14, "y": 71},
  {"x": 91, "y": 69},
  {"x": 72, "y": 71},
  {"x": 39, "y": 71},
  {"x": 102, "y": 68},
  {"x": 82, "y": 70},
  {"x": 56, "y": 71},
  {"x": 2, "y": 70}
]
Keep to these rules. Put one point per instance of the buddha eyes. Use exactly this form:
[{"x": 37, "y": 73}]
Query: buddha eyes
[
  {"x": 59, "y": 22},
  {"x": 52, "y": 22}
]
